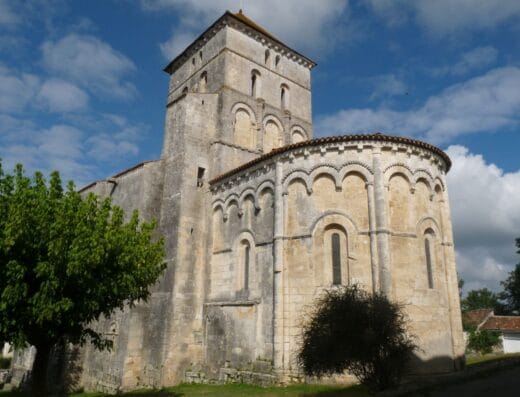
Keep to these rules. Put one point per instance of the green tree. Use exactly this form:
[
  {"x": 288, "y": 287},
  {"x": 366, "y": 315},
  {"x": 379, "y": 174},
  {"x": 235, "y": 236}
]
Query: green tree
[
  {"x": 64, "y": 262},
  {"x": 480, "y": 299},
  {"x": 482, "y": 341},
  {"x": 365, "y": 334},
  {"x": 511, "y": 285}
]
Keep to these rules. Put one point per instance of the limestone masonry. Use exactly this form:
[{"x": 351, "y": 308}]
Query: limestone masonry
[{"x": 259, "y": 218}]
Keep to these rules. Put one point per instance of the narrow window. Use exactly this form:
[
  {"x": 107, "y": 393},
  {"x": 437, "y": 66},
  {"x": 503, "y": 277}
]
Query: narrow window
[
  {"x": 336, "y": 259},
  {"x": 267, "y": 56},
  {"x": 428, "y": 262},
  {"x": 253, "y": 85},
  {"x": 185, "y": 90},
  {"x": 283, "y": 97},
  {"x": 200, "y": 55},
  {"x": 203, "y": 82},
  {"x": 247, "y": 253},
  {"x": 193, "y": 61},
  {"x": 277, "y": 60},
  {"x": 200, "y": 177}
]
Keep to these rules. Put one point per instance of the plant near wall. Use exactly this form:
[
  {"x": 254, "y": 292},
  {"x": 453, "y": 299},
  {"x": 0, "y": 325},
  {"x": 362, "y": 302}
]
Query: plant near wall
[
  {"x": 65, "y": 262},
  {"x": 364, "y": 334},
  {"x": 481, "y": 341}
]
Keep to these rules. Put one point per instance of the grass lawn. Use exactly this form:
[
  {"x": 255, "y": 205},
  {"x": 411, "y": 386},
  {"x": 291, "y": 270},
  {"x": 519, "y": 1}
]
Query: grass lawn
[
  {"x": 476, "y": 359},
  {"x": 239, "y": 390}
]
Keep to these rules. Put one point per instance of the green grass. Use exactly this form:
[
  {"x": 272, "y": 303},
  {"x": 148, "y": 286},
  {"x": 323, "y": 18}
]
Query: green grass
[
  {"x": 477, "y": 359},
  {"x": 238, "y": 391}
]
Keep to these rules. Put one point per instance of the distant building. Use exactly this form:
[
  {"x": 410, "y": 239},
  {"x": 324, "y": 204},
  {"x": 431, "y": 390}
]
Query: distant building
[{"x": 507, "y": 326}]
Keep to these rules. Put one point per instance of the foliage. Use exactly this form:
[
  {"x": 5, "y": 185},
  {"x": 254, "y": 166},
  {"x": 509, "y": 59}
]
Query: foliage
[
  {"x": 351, "y": 330},
  {"x": 480, "y": 299},
  {"x": 482, "y": 341},
  {"x": 511, "y": 285},
  {"x": 461, "y": 283},
  {"x": 5, "y": 362},
  {"x": 66, "y": 261}
]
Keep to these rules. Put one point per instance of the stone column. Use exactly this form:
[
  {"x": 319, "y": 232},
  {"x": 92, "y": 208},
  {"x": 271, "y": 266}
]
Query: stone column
[
  {"x": 278, "y": 287},
  {"x": 373, "y": 237},
  {"x": 382, "y": 229}
]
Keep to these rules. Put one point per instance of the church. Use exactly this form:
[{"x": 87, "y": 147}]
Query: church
[{"x": 259, "y": 218}]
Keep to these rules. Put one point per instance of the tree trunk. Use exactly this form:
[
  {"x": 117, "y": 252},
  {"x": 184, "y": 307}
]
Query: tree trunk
[{"x": 39, "y": 372}]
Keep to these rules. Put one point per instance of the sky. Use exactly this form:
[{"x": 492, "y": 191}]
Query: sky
[{"x": 82, "y": 90}]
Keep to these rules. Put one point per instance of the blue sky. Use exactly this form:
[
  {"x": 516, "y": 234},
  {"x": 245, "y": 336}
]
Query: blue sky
[{"x": 82, "y": 90}]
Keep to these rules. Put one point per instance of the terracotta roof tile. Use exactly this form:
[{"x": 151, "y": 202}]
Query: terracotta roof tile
[
  {"x": 502, "y": 323},
  {"x": 476, "y": 317}
]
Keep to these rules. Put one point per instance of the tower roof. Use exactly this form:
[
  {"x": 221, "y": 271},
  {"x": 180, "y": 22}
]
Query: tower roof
[{"x": 240, "y": 21}]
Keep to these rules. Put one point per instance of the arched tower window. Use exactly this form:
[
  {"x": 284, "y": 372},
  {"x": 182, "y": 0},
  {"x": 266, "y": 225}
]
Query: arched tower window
[
  {"x": 247, "y": 263},
  {"x": 429, "y": 256},
  {"x": 336, "y": 259},
  {"x": 277, "y": 60},
  {"x": 284, "y": 96},
  {"x": 203, "y": 83},
  {"x": 255, "y": 83},
  {"x": 267, "y": 57}
]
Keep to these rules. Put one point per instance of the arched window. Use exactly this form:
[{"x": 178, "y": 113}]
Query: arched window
[
  {"x": 284, "y": 96},
  {"x": 336, "y": 259},
  {"x": 267, "y": 57},
  {"x": 428, "y": 255},
  {"x": 276, "y": 60},
  {"x": 255, "y": 83},
  {"x": 245, "y": 252},
  {"x": 203, "y": 82},
  {"x": 336, "y": 255}
]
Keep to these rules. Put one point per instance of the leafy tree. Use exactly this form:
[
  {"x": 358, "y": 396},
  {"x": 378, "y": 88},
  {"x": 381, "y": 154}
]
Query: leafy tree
[
  {"x": 511, "y": 293},
  {"x": 480, "y": 299},
  {"x": 461, "y": 283},
  {"x": 64, "y": 262},
  {"x": 482, "y": 341},
  {"x": 351, "y": 330}
]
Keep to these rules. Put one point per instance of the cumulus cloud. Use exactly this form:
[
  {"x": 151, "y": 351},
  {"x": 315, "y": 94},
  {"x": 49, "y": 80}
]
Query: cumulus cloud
[
  {"x": 91, "y": 63},
  {"x": 444, "y": 17},
  {"x": 477, "y": 58},
  {"x": 60, "y": 96},
  {"x": 485, "y": 215},
  {"x": 482, "y": 104},
  {"x": 79, "y": 148},
  {"x": 303, "y": 24}
]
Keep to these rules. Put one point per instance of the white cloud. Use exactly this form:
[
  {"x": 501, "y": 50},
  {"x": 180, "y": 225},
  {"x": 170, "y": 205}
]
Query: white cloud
[
  {"x": 91, "y": 63},
  {"x": 482, "y": 104},
  {"x": 477, "y": 58},
  {"x": 16, "y": 90},
  {"x": 302, "y": 24},
  {"x": 8, "y": 17},
  {"x": 486, "y": 218},
  {"x": 60, "y": 96},
  {"x": 444, "y": 17},
  {"x": 387, "y": 85}
]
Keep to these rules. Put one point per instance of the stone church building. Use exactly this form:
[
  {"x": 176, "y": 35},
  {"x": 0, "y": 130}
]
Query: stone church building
[{"x": 259, "y": 218}]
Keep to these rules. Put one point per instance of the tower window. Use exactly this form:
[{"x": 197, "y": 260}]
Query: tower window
[
  {"x": 200, "y": 177},
  {"x": 203, "y": 82},
  {"x": 200, "y": 56},
  {"x": 267, "y": 56},
  {"x": 277, "y": 60},
  {"x": 427, "y": 252},
  {"x": 336, "y": 259},
  {"x": 255, "y": 83},
  {"x": 284, "y": 96}
]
